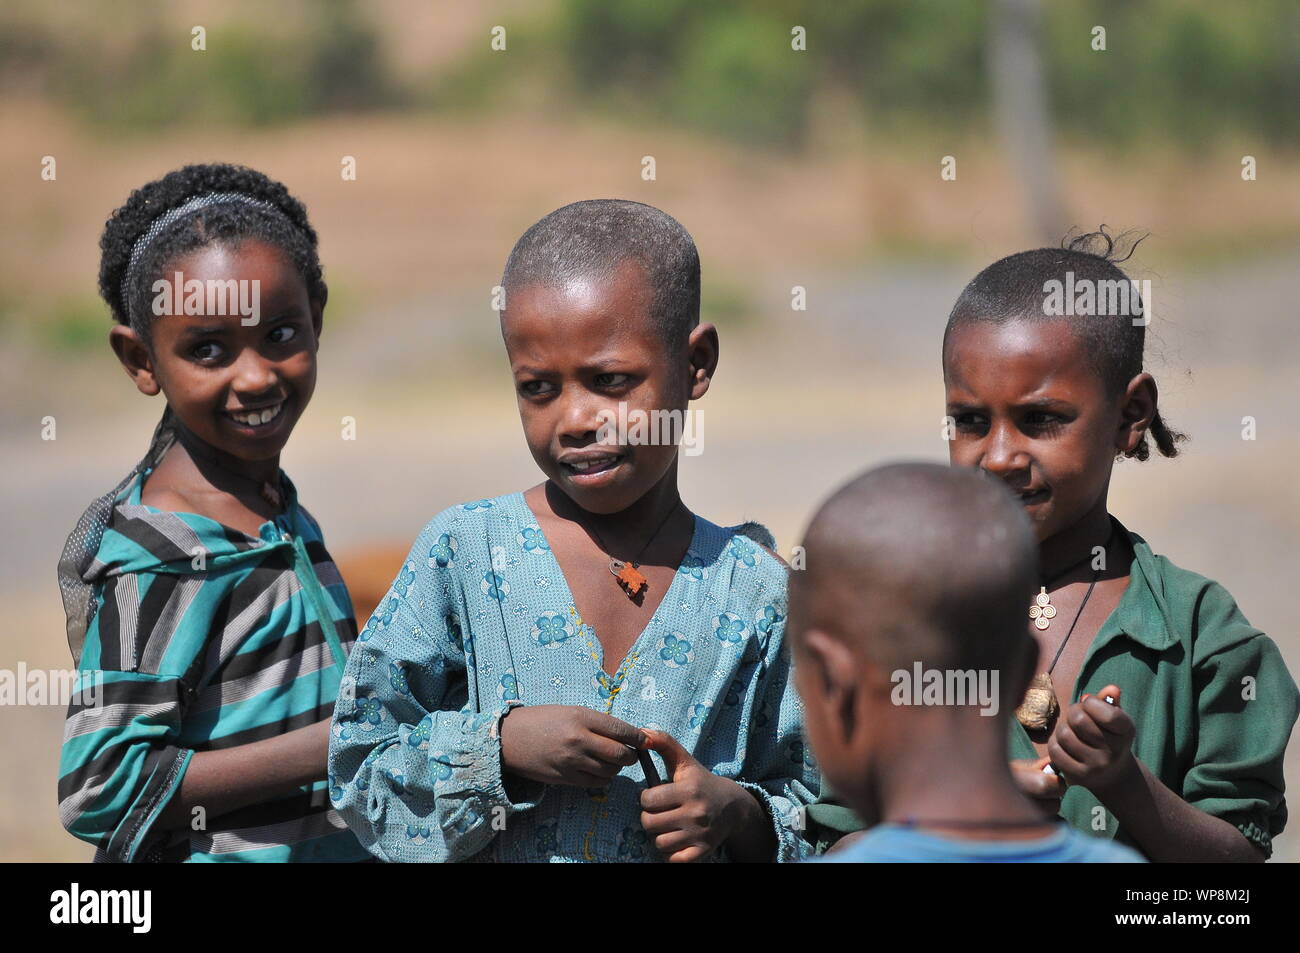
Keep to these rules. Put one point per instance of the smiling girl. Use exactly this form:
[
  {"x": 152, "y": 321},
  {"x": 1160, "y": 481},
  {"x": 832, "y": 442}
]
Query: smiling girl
[
  {"x": 201, "y": 603},
  {"x": 1160, "y": 713}
]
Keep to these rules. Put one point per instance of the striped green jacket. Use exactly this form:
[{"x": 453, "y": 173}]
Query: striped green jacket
[{"x": 203, "y": 638}]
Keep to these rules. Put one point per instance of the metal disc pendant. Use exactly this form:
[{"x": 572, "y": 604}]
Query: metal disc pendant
[{"x": 1042, "y": 611}]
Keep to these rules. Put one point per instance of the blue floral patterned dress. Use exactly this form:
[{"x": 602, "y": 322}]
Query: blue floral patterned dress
[{"x": 480, "y": 618}]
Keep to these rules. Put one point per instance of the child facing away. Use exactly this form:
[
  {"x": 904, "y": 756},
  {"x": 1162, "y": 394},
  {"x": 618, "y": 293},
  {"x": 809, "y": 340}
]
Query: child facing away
[
  {"x": 207, "y": 620},
  {"x": 1158, "y": 715},
  {"x": 916, "y": 577},
  {"x": 534, "y": 644}
]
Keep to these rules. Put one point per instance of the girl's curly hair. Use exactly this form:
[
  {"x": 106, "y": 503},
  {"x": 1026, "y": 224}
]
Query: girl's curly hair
[{"x": 285, "y": 226}]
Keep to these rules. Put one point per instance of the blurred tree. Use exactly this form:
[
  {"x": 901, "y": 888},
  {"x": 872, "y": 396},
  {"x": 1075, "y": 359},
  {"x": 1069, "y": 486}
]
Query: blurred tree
[{"x": 1020, "y": 104}]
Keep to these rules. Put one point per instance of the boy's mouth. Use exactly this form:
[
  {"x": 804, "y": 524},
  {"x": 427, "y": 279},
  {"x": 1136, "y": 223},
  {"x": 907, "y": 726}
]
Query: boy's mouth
[
  {"x": 590, "y": 467},
  {"x": 257, "y": 419}
]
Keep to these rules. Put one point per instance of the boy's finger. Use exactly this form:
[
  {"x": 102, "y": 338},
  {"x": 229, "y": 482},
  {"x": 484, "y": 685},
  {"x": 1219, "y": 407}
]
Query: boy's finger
[
  {"x": 611, "y": 752},
  {"x": 585, "y": 779},
  {"x": 662, "y": 797},
  {"x": 589, "y": 764},
  {"x": 612, "y": 727},
  {"x": 674, "y": 755},
  {"x": 689, "y": 855},
  {"x": 664, "y": 822},
  {"x": 673, "y": 841}
]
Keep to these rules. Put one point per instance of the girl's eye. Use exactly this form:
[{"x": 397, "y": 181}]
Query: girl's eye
[
  {"x": 612, "y": 380},
  {"x": 1041, "y": 420},
  {"x": 969, "y": 422},
  {"x": 283, "y": 333}
]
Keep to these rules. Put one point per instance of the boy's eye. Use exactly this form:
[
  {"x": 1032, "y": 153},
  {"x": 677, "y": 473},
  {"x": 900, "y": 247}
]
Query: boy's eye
[
  {"x": 207, "y": 352},
  {"x": 283, "y": 333},
  {"x": 535, "y": 388},
  {"x": 612, "y": 380},
  {"x": 968, "y": 422}
]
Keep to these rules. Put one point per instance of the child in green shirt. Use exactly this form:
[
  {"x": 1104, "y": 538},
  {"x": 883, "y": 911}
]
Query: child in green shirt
[
  {"x": 910, "y": 655},
  {"x": 1158, "y": 715}
]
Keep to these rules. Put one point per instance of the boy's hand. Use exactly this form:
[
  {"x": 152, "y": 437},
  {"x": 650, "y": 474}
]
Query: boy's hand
[
  {"x": 566, "y": 744},
  {"x": 1093, "y": 742},
  {"x": 694, "y": 811},
  {"x": 1046, "y": 789}
]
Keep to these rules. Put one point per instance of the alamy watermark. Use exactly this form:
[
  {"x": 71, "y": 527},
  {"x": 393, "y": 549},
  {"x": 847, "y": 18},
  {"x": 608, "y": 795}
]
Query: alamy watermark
[
  {"x": 946, "y": 687},
  {"x": 51, "y": 686},
  {"x": 652, "y": 428},
  {"x": 1108, "y": 297},
  {"x": 214, "y": 296},
  {"x": 133, "y": 908}
]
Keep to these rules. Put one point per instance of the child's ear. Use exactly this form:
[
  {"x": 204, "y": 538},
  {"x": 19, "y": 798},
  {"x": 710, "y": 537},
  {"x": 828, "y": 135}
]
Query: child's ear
[
  {"x": 135, "y": 357},
  {"x": 1137, "y": 410},
  {"x": 702, "y": 347},
  {"x": 836, "y": 678}
]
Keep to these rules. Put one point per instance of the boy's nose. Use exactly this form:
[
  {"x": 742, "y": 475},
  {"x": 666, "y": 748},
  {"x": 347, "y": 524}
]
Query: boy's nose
[
  {"x": 1002, "y": 453},
  {"x": 580, "y": 417}
]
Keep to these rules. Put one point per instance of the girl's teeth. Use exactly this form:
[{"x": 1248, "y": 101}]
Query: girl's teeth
[{"x": 258, "y": 416}]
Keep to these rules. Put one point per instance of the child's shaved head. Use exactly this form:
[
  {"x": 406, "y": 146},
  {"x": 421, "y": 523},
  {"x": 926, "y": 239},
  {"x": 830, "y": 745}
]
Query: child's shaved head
[
  {"x": 920, "y": 562},
  {"x": 591, "y": 239}
]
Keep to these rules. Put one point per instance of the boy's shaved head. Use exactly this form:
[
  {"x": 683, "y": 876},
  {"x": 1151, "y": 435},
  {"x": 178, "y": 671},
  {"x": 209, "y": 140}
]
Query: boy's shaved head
[
  {"x": 590, "y": 239},
  {"x": 920, "y": 562}
]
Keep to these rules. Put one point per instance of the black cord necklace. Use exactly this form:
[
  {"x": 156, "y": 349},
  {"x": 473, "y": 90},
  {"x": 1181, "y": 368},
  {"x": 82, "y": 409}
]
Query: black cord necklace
[
  {"x": 629, "y": 574},
  {"x": 1040, "y": 704}
]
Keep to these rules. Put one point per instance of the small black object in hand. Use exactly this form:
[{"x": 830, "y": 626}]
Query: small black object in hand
[{"x": 648, "y": 766}]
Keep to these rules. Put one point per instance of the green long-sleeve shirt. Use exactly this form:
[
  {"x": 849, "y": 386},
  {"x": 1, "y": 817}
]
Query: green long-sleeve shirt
[{"x": 1211, "y": 698}]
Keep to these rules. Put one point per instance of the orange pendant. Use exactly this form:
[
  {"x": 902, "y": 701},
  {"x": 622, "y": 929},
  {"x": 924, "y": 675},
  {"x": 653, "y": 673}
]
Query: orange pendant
[{"x": 629, "y": 577}]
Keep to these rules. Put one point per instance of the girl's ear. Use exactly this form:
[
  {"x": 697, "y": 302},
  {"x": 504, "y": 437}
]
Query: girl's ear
[
  {"x": 703, "y": 348},
  {"x": 135, "y": 357},
  {"x": 318, "y": 309},
  {"x": 1137, "y": 410}
]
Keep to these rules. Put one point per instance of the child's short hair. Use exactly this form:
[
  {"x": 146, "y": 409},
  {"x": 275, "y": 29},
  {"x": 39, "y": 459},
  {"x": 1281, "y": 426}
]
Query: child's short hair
[
  {"x": 593, "y": 237},
  {"x": 938, "y": 562},
  {"x": 1013, "y": 288},
  {"x": 187, "y": 209}
]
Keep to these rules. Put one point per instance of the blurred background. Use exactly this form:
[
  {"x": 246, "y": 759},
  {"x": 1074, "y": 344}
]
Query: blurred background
[{"x": 818, "y": 168}]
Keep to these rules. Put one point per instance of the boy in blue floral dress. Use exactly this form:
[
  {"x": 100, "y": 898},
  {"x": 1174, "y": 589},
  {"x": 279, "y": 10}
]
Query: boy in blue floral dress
[{"x": 533, "y": 646}]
